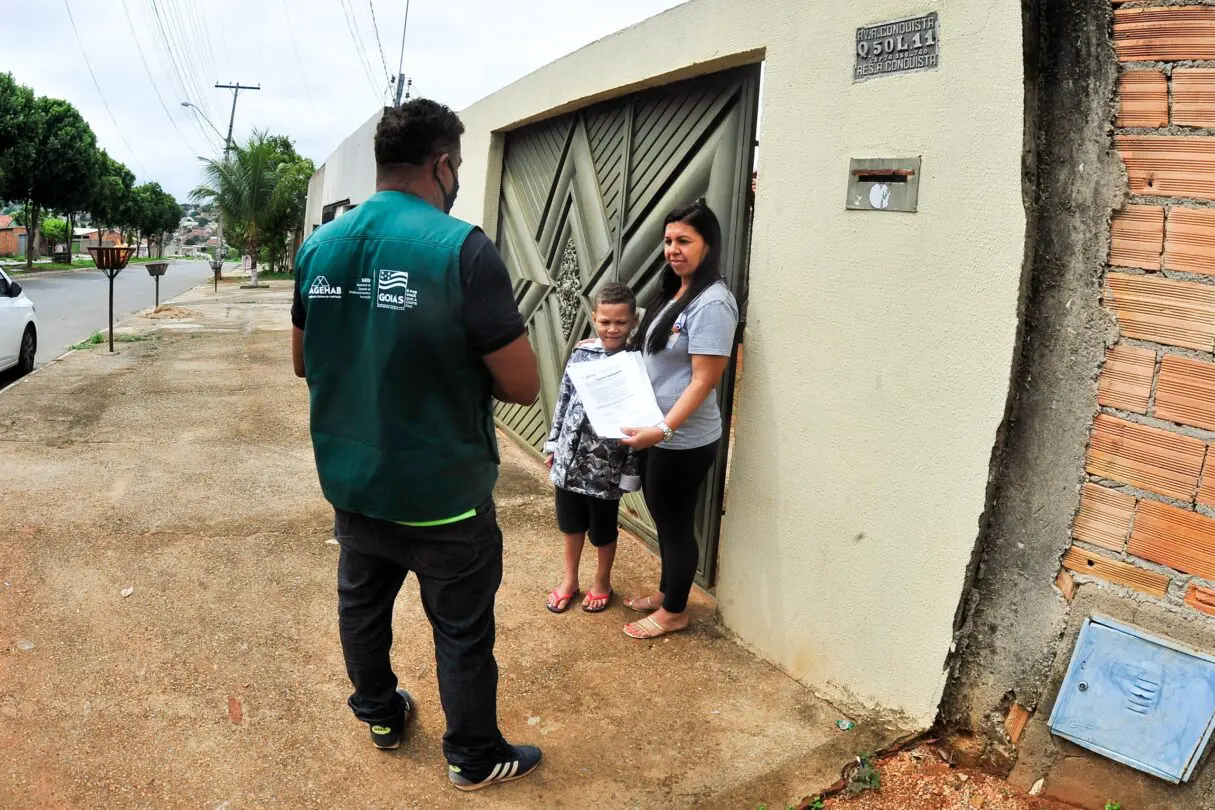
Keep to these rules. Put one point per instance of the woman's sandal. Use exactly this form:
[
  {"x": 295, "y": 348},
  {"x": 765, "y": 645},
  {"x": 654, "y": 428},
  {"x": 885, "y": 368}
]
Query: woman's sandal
[
  {"x": 648, "y": 628},
  {"x": 562, "y": 602},
  {"x": 606, "y": 598},
  {"x": 641, "y": 604}
]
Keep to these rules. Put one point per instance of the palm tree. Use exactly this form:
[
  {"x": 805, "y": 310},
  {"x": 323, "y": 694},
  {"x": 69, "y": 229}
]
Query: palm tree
[{"x": 241, "y": 186}]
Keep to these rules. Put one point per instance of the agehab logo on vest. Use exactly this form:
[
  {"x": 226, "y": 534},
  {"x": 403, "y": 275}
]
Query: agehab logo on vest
[
  {"x": 321, "y": 289},
  {"x": 392, "y": 290}
]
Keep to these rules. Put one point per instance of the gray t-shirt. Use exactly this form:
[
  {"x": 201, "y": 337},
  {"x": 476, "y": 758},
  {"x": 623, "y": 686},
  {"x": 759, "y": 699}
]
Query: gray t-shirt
[{"x": 707, "y": 326}]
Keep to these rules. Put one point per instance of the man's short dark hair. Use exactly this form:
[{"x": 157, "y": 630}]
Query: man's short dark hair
[{"x": 415, "y": 131}]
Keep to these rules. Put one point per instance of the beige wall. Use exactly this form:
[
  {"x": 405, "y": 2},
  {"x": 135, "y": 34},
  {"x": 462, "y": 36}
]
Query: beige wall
[{"x": 879, "y": 345}]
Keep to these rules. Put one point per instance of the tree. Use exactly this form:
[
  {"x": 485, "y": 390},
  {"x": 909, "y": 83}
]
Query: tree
[
  {"x": 55, "y": 231},
  {"x": 290, "y": 200},
  {"x": 16, "y": 143},
  {"x": 113, "y": 195},
  {"x": 241, "y": 185},
  {"x": 155, "y": 212},
  {"x": 60, "y": 169}
]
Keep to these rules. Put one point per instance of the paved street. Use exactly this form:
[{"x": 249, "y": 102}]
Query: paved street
[{"x": 72, "y": 305}]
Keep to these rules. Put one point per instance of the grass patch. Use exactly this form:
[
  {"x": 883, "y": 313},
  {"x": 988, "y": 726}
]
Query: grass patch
[
  {"x": 98, "y": 338},
  {"x": 275, "y": 276}
]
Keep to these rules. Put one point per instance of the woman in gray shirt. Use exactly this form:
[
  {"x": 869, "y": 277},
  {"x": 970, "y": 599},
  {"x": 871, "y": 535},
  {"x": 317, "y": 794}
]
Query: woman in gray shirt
[{"x": 687, "y": 337}]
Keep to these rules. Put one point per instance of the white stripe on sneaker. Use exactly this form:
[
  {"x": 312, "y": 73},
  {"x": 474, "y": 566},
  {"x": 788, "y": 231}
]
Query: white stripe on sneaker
[
  {"x": 495, "y": 772},
  {"x": 514, "y": 769}
]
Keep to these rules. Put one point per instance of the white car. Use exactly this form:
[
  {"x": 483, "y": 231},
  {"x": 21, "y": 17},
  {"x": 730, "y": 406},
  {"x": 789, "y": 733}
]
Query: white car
[{"x": 18, "y": 327}]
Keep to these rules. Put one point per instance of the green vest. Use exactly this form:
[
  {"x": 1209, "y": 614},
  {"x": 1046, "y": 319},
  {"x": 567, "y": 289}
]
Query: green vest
[{"x": 402, "y": 418}]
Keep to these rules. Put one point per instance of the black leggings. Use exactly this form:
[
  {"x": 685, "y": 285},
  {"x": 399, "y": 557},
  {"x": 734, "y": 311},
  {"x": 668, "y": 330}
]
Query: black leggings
[{"x": 671, "y": 480}]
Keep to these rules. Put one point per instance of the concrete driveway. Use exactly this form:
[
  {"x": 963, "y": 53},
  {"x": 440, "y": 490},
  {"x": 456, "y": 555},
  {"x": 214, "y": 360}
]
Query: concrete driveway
[{"x": 181, "y": 468}]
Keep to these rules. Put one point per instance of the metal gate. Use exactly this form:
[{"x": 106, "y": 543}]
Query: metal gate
[{"x": 582, "y": 203}]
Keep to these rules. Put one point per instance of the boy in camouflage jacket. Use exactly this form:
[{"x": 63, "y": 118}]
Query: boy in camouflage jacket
[{"x": 591, "y": 474}]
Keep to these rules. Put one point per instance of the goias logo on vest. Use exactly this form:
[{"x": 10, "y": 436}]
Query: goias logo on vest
[
  {"x": 392, "y": 290},
  {"x": 321, "y": 289}
]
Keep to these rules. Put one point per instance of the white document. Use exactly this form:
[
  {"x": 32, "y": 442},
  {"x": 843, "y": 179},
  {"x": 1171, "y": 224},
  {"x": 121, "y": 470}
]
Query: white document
[{"x": 616, "y": 393}]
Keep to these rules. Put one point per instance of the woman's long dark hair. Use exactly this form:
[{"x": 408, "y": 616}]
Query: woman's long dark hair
[{"x": 704, "y": 221}]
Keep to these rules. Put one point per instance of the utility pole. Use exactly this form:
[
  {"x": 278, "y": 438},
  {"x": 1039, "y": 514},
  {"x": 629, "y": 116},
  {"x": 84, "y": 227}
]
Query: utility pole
[
  {"x": 235, "y": 88},
  {"x": 401, "y": 64},
  {"x": 405, "y": 85}
]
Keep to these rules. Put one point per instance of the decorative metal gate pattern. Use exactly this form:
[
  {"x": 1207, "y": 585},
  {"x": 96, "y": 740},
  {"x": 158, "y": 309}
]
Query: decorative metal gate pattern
[{"x": 582, "y": 203}]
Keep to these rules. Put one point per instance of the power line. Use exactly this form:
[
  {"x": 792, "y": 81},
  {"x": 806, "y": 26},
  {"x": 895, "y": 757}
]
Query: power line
[
  {"x": 188, "y": 55},
  {"x": 165, "y": 51},
  {"x": 296, "y": 47},
  {"x": 97, "y": 84},
  {"x": 126, "y": 10},
  {"x": 359, "y": 50},
  {"x": 376, "y": 27}
]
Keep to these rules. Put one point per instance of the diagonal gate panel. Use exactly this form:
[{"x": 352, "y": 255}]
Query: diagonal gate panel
[{"x": 582, "y": 202}]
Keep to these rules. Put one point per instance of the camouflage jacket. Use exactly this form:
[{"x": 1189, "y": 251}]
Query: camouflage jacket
[{"x": 583, "y": 462}]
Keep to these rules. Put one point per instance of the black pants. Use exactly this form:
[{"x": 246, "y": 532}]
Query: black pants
[
  {"x": 671, "y": 481},
  {"x": 459, "y": 569}
]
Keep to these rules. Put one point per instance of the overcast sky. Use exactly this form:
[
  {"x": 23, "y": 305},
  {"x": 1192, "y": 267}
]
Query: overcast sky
[{"x": 317, "y": 84}]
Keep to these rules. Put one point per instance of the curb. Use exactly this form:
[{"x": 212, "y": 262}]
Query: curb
[{"x": 55, "y": 360}]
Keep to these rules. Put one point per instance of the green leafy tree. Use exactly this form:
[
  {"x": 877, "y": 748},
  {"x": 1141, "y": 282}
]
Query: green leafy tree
[
  {"x": 113, "y": 195},
  {"x": 290, "y": 200},
  {"x": 17, "y": 147},
  {"x": 55, "y": 231},
  {"x": 155, "y": 213},
  {"x": 241, "y": 186},
  {"x": 62, "y": 170}
]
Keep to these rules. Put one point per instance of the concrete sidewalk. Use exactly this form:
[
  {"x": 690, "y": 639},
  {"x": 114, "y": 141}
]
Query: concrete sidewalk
[{"x": 181, "y": 467}]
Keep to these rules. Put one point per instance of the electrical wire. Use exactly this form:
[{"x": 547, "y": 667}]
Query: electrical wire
[
  {"x": 143, "y": 59},
  {"x": 188, "y": 55},
  {"x": 359, "y": 50},
  {"x": 296, "y": 47},
  {"x": 376, "y": 27},
  {"x": 97, "y": 84},
  {"x": 167, "y": 55}
]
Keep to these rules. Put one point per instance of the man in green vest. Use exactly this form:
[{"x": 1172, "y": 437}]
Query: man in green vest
[{"x": 405, "y": 328}]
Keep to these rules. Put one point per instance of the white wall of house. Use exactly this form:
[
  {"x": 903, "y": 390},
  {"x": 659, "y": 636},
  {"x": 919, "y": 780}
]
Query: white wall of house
[{"x": 879, "y": 345}]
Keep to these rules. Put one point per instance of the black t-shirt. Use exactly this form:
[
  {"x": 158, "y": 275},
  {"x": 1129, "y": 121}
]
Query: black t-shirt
[{"x": 491, "y": 317}]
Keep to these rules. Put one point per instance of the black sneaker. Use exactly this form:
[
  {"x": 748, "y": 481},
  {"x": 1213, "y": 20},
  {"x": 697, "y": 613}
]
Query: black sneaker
[
  {"x": 517, "y": 762},
  {"x": 388, "y": 736}
]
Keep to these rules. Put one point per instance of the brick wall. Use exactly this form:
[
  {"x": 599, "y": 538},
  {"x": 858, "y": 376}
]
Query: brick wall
[{"x": 1146, "y": 519}]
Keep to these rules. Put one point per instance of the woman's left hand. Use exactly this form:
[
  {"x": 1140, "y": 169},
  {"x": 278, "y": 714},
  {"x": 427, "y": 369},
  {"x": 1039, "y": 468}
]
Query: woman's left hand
[{"x": 641, "y": 438}]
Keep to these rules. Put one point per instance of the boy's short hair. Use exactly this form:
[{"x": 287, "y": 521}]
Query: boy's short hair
[{"x": 617, "y": 293}]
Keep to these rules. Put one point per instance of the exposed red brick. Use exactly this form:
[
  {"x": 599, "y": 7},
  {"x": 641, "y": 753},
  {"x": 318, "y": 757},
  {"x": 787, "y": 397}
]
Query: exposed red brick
[
  {"x": 1189, "y": 243},
  {"x": 1066, "y": 584},
  {"x": 1174, "y": 537},
  {"x": 1014, "y": 724},
  {"x": 1126, "y": 378},
  {"x": 1119, "y": 573},
  {"x": 1104, "y": 518},
  {"x": 1206, "y": 487},
  {"x": 1201, "y": 599},
  {"x": 1169, "y": 165},
  {"x": 1138, "y": 237},
  {"x": 1194, "y": 97},
  {"x": 1170, "y": 34},
  {"x": 1176, "y": 313},
  {"x": 1144, "y": 99},
  {"x": 1185, "y": 392},
  {"x": 1149, "y": 458}
]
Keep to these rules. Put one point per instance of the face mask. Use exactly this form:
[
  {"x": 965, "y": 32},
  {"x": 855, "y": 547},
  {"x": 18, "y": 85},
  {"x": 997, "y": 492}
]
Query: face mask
[{"x": 449, "y": 198}]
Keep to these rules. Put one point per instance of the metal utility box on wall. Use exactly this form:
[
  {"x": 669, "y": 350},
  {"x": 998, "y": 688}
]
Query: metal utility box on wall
[
  {"x": 1136, "y": 698},
  {"x": 883, "y": 184}
]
